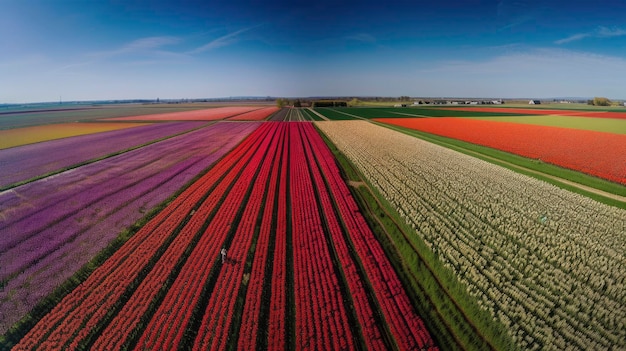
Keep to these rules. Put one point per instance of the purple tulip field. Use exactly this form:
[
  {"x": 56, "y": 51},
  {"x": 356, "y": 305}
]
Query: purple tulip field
[
  {"x": 53, "y": 226},
  {"x": 35, "y": 160}
]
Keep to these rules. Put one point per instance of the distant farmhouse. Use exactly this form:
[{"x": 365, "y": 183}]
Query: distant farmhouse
[{"x": 534, "y": 102}]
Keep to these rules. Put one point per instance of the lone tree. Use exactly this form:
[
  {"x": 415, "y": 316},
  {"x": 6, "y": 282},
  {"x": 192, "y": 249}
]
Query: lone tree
[
  {"x": 601, "y": 101},
  {"x": 280, "y": 102}
]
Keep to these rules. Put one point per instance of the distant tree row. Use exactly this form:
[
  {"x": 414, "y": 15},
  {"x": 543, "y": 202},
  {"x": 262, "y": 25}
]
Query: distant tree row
[
  {"x": 330, "y": 103},
  {"x": 599, "y": 101},
  {"x": 281, "y": 102}
]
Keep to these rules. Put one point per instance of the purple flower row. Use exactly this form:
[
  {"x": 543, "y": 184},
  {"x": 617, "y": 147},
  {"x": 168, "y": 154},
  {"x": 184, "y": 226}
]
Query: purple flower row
[
  {"x": 28, "y": 161},
  {"x": 53, "y": 226}
]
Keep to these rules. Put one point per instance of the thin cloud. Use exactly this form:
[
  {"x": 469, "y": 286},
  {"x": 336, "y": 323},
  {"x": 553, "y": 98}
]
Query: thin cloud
[
  {"x": 517, "y": 13},
  {"x": 148, "y": 44},
  {"x": 534, "y": 60},
  {"x": 362, "y": 37},
  {"x": 600, "y": 32},
  {"x": 149, "y": 48},
  {"x": 535, "y": 72},
  {"x": 516, "y": 22},
  {"x": 604, "y": 32},
  {"x": 225, "y": 40},
  {"x": 572, "y": 38},
  {"x": 69, "y": 68}
]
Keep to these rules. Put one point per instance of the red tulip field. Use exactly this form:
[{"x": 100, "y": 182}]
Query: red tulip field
[
  {"x": 294, "y": 238},
  {"x": 596, "y": 153}
]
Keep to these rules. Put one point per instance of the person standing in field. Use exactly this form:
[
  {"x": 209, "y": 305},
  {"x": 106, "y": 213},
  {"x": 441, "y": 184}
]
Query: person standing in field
[{"x": 223, "y": 253}]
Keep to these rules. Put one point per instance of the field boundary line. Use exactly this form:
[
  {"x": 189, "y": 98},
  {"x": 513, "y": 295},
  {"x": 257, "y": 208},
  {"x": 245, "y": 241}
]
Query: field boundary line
[
  {"x": 318, "y": 114},
  {"x": 364, "y": 183},
  {"x": 351, "y": 115},
  {"x": 409, "y": 114},
  {"x": 428, "y": 267},
  {"x": 514, "y": 167},
  {"x": 97, "y": 159},
  {"x": 558, "y": 179}
]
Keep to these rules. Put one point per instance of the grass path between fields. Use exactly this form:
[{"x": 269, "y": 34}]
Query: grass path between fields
[
  {"x": 556, "y": 180},
  {"x": 611, "y": 198},
  {"x": 441, "y": 287},
  {"x": 318, "y": 114},
  {"x": 351, "y": 115},
  {"x": 454, "y": 337}
]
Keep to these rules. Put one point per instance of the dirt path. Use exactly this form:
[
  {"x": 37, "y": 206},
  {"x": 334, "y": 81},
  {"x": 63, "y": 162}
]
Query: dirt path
[{"x": 356, "y": 184}]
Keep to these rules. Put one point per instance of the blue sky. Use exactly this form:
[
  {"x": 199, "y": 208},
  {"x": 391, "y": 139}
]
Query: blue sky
[{"x": 90, "y": 50}]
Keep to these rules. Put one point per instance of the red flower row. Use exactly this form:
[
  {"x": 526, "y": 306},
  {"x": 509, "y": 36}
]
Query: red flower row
[
  {"x": 405, "y": 324},
  {"x": 166, "y": 328},
  {"x": 321, "y": 318},
  {"x": 218, "y": 313}
]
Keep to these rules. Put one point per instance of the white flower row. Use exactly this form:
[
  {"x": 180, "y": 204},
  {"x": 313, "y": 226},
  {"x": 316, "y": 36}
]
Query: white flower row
[{"x": 547, "y": 263}]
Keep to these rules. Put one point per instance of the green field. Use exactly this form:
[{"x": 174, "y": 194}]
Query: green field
[
  {"x": 567, "y": 107},
  {"x": 517, "y": 104},
  {"x": 399, "y": 112},
  {"x": 334, "y": 114},
  {"x": 607, "y": 125},
  {"x": 311, "y": 116}
]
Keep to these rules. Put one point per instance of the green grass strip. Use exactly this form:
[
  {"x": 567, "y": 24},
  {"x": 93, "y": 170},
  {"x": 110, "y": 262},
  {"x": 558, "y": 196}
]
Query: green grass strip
[
  {"x": 453, "y": 317},
  {"x": 527, "y": 166},
  {"x": 606, "y": 125},
  {"x": 310, "y": 115},
  {"x": 333, "y": 114}
]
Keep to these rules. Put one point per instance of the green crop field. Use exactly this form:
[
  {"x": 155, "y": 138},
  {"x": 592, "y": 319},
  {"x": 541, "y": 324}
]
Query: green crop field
[
  {"x": 398, "y": 112},
  {"x": 607, "y": 125},
  {"x": 334, "y": 114},
  {"x": 567, "y": 107}
]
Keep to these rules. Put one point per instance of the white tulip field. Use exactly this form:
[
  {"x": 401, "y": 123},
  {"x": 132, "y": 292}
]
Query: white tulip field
[{"x": 548, "y": 264}]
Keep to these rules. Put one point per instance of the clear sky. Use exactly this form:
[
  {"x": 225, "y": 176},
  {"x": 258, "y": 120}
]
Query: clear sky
[{"x": 126, "y": 49}]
